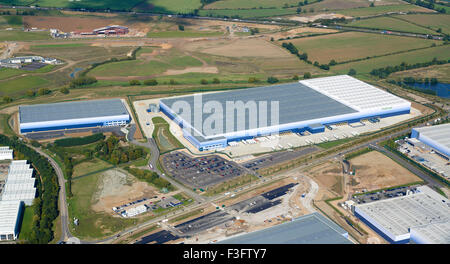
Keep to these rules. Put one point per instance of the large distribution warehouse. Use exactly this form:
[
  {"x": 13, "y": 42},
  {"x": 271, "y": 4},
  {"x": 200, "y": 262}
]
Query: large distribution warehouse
[
  {"x": 437, "y": 137},
  {"x": 403, "y": 218},
  {"x": 68, "y": 115},
  {"x": 305, "y": 105}
]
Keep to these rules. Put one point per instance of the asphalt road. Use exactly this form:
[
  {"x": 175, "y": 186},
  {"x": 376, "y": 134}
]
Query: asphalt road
[{"x": 63, "y": 212}]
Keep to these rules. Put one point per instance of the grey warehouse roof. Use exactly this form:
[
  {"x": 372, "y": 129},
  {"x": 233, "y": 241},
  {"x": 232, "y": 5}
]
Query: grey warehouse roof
[
  {"x": 439, "y": 133},
  {"x": 297, "y": 102},
  {"x": 71, "y": 110},
  {"x": 308, "y": 229}
]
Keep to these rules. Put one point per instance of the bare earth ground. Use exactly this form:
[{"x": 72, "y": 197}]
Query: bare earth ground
[
  {"x": 306, "y": 19},
  {"x": 239, "y": 48},
  {"x": 117, "y": 188},
  {"x": 376, "y": 171},
  {"x": 329, "y": 177}
]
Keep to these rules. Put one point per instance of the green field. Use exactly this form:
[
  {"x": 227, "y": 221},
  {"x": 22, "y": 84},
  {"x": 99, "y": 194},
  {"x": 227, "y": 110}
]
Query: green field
[
  {"x": 21, "y": 84},
  {"x": 91, "y": 224},
  {"x": 432, "y": 21},
  {"x": 183, "y": 34},
  {"x": 8, "y": 72},
  {"x": 389, "y": 23},
  {"x": 235, "y": 4},
  {"x": 364, "y": 67},
  {"x": 89, "y": 167},
  {"x": 369, "y": 11},
  {"x": 27, "y": 223},
  {"x": 355, "y": 45},
  {"x": 11, "y": 21},
  {"x": 56, "y": 46},
  {"x": 79, "y": 51},
  {"x": 16, "y": 35},
  {"x": 161, "y": 6},
  {"x": 169, "y": 6},
  {"x": 247, "y": 13},
  {"x": 163, "y": 137},
  {"x": 142, "y": 67}
]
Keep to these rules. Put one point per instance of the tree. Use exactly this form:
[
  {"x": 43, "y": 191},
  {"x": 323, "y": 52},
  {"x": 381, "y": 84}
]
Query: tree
[
  {"x": 299, "y": 10},
  {"x": 332, "y": 62},
  {"x": 64, "y": 90},
  {"x": 372, "y": 4},
  {"x": 295, "y": 77},
  {"x": 43, "y": 91},
  {"x": 30, "y": 93},
  {"x": 216, "y": 81},
  {"x": 181, "y": 27},
  {"x": 203, "y": 81},
  {"x": 151, "y": 82},
  {"x": 307, "y": 75},
  {"x": 134, "y": 82},
  {"x": 253, "y": 80},
  {"x": 352, "y": 72},
  {"x": 272, "y": 79}
]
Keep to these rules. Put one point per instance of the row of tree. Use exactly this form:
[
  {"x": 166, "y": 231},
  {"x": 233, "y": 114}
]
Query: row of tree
[
  {"x": 46, "y": 203},
  {"x": 150, "y": 177},
  {"x": 386, "y": 71}
]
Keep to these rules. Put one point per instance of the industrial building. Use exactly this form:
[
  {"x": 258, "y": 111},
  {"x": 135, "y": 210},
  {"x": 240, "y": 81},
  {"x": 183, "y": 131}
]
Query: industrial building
[
  {"x": 308, "y": 229},
  {"x": 394, "y": 218},
  {"x": 436, "y": 137},
  {"x": 438, "y": 233},
  {"x": 10, "y": 214},
  {"x": 19, "y": 183},
  {"x": 6, "y": 153},
  {"x": 69, "y": 115},
  {"x": 307, "y": 105}
]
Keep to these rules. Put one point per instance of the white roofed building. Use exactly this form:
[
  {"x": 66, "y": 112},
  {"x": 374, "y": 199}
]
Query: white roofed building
[
  {"x": 6, "y": 153},
  {"x": 10, "y": 212}
]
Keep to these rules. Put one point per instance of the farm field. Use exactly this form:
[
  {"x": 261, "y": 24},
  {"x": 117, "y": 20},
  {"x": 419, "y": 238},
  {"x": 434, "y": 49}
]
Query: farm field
[
  {"x": 348, "y": 4},
  {"x": 247, "y": 13},
  {"x": 354, "y": 45},
  {"x": 11, "y": 21},
  {"x": 365, "y": 66},
  {"x": 169, "y": 6},
  {"x": 389, "y": 23},
  {"x": 369, "y": 11},
  {"x": 236, "y": 4},
  {"x": 112, "y": 4},
  {"x": 432, "y": 21}
]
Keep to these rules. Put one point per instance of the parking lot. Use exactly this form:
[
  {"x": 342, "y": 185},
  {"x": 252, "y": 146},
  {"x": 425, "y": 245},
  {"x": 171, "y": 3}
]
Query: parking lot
[
  {"x": 382, "y": 195},
  {"x": 262, "y": 202},
  {"x": 200, "y": 172},
  {"x": 160, "y": 237},
  {"x": 277, "y": 157},
  {"x": 33, "y": 66},
  {"x": 425, "y": 156},
  {"x": 203, "y": 223}
]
